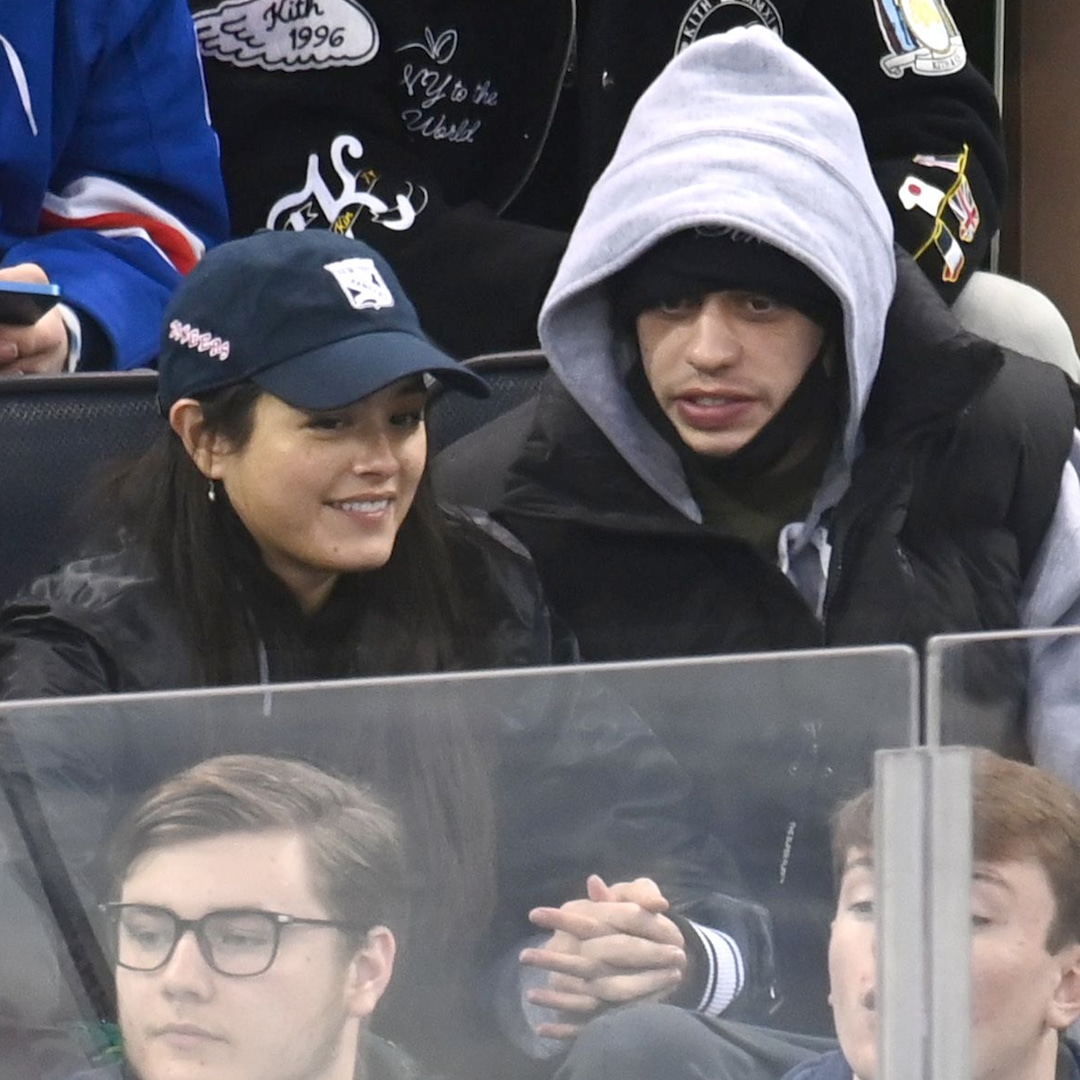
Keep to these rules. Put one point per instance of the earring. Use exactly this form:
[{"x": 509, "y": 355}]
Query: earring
[{"x": 211, "y": 492}]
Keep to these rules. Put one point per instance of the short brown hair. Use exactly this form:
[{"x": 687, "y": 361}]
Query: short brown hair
[
  {"x": 352, "y": 839},
  {"x": 1018, "y": 811}
]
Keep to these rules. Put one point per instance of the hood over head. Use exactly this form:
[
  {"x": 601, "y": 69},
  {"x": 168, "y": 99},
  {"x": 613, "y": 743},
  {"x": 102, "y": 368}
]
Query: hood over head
[{"x": 738, "y": 132}]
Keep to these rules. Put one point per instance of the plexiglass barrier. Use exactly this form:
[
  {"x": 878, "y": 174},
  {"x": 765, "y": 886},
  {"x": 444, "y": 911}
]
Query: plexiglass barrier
[
  {"x": 1016, "y": 693},
  {"x": 714, "y": 778}
]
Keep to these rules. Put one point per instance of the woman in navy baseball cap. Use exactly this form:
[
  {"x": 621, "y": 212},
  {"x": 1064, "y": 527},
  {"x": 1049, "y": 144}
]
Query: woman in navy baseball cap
[
  {"x": 282, "y": 530},
  {"x": 283, "y": 527}
]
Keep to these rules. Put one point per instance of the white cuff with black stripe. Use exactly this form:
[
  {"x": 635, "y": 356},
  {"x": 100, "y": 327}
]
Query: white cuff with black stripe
[{"x": 726, "y": 974}]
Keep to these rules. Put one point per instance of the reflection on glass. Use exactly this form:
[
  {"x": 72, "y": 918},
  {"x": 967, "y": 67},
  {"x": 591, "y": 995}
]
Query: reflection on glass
[
  {"x": 710, "y": 779},
  {"x": 1038, "y": 720}
]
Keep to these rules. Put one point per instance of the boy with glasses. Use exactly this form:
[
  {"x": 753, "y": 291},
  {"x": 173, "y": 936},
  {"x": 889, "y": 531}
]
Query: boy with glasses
[{"x": 252, "y": 923}]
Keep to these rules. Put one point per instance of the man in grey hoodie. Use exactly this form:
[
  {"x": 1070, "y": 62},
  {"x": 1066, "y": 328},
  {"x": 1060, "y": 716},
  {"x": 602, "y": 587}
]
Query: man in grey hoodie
[{"x": 763, "y": 429}]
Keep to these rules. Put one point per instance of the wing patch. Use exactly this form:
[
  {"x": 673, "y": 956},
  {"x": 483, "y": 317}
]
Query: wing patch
[{"x": 288, "y": 35}]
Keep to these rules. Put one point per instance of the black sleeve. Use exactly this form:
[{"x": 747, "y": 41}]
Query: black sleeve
[
  {"x": 477, "y": 279},
  {"x": 44, "y": 655},
  {"x": 913, "y": 89},
  {"x": 930, "y": 121}
]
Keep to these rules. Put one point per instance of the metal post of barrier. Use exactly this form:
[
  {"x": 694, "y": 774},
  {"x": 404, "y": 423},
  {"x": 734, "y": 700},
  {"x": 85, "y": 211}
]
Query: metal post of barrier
[
  {"x": 950, "y": 858},
  {"x": 922, "y": 860},
  {"x": 999, "y": 92},
  {"x": 900, "y": 898},
  {"x": 999, "y": 50},
  {"x": 933, "y": 683}
]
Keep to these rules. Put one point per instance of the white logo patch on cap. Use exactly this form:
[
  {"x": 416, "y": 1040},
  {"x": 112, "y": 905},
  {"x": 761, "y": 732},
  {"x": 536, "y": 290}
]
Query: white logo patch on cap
[{"x": 361, "y": 283}]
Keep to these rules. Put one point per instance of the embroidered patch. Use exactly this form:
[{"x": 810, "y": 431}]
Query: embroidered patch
[
  {"x": 952, "y": 255},
  {"x": 959, "y": 198},
  {"x": 921, "y": 36},
  {"x": 288, "y": 35},
  {"x": 715, "y": 16},
  {"x": 361, "y": 283},
  {"x": 915, "y": 193},
  {"x": 445, "y": 104},
  {"x": 316, "y": 206},
  {"x": 204, "y": 341}
]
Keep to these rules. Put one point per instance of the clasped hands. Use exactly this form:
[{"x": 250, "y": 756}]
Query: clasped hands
[{"x": 613, "y": 947}]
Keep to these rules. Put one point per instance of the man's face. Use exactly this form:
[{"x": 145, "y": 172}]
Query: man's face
[
  {"x": 299, "y": 1020},
  {"x": 1022, "y": 995},
  {"x": 723, "y": 365}
]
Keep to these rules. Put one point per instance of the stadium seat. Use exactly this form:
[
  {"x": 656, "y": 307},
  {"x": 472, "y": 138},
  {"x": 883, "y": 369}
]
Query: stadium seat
[
  {"x": 513, "y": 376},
  {"x": 56, "y": 434},
  {"x": 455, "y": 420}
]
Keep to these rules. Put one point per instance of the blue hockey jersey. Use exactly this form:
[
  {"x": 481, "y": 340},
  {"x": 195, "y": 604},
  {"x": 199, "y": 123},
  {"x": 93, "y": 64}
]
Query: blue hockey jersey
[{"x": 110, "y": 177}]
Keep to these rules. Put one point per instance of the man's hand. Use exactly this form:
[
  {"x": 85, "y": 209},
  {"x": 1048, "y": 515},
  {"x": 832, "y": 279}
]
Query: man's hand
[
  {"x": 40, "y": 349},
  {"x": 612, "y": 948}
]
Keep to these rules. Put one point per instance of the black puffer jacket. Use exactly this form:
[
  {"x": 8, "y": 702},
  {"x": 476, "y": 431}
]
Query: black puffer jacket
[
  {"x": 103, "y": 624},
  {"x": 948, "y": 503}
]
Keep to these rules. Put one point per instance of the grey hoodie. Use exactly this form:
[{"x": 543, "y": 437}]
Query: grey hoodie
[{"x": 739, "y": 130}]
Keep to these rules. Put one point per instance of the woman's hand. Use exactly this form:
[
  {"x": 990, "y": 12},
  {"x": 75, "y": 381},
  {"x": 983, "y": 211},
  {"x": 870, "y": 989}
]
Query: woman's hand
[{"x": 614, "y": 947}]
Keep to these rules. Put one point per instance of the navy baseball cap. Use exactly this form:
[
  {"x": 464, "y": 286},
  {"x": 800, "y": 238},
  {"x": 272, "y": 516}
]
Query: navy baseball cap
[{"x": 314, "y": 318}]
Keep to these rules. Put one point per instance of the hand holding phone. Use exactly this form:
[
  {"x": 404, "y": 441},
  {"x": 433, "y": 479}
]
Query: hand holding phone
[
  {"x": 33, "y": 335},
  {"x": 22, "y": 303}
]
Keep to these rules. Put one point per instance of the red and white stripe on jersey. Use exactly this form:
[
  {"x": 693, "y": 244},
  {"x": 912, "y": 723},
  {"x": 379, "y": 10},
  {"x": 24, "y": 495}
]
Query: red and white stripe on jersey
[{"x": 109, "y": 208}]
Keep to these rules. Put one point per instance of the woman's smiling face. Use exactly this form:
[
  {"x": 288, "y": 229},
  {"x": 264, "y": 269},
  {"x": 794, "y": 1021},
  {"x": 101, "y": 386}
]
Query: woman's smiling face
[{"x": 325, "y": 493}]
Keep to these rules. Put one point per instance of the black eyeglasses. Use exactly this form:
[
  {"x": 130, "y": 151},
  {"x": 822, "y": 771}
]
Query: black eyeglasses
[{"x": 238, "y": 942}]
